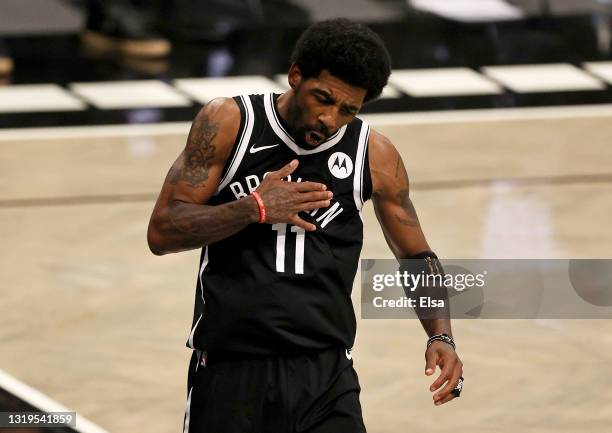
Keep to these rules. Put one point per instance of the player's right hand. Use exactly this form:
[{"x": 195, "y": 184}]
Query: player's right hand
[{"x": 284, "y": 200}]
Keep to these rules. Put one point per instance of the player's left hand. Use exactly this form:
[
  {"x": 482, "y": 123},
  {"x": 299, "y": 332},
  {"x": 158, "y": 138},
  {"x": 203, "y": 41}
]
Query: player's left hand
[{"x": 444, "y": 356}]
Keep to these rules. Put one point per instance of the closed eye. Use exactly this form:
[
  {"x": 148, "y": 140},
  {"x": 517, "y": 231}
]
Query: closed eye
[{"x": 324, "y": 100}]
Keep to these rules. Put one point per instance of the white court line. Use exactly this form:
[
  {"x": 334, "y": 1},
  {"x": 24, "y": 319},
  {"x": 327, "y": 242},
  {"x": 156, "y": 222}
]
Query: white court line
[
  {"x": 95, "y": 131},
  {"x": 206, "y": 89},
  {"x": 44, "y": 403},
  {"x": 556, "y": 77},
  {"x": 488, "y": 115},
  {"x": 20, "y": 98},
  {"x": 440, "y": 82},
  {"x": 602, "y": 70},
  {"x": 378, "y": 119},
  {"x": 470, "y": 11},
  {"x": 108, "y": 95}
]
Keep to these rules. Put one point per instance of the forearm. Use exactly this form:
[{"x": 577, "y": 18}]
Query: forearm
[
  {"x": 435, "y": 320},
  {"x": 183, "y": 226}
]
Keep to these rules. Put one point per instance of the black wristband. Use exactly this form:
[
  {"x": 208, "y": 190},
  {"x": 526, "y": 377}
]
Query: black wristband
[
  {"x": 425, "y": 262},
  {"x": 441, "y": 337}
]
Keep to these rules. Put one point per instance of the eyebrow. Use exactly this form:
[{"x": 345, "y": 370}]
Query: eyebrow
[{"x": 329, "y": 96}]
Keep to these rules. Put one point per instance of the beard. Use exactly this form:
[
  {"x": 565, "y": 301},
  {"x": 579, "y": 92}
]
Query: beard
[{"x": 305, "y": 136}]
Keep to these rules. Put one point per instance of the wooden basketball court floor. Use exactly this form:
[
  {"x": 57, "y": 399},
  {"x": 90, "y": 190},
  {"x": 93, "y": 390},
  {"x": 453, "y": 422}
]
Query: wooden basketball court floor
[{"x": 93, "y": 320}]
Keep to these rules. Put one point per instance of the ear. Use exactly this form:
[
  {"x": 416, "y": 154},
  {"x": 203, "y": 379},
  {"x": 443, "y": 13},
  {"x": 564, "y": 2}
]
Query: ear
[{"x": 294, "y": 76}]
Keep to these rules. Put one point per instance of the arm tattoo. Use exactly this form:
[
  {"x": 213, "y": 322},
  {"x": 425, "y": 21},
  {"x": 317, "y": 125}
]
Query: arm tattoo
[
  {"x": 400, "y": 171},
  {"x": 195, "y": 163},
  {"x": 277, "y": 198},
  {"x": 397, "y": 166},
  {"x": 199, "y": 225},
  {"x": 179, "y": 217},
  {"x": 410, "y": 217},
  {"x": 207, "y": 221}
]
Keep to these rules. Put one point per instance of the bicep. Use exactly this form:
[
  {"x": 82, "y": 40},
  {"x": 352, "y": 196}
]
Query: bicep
[
  {"x": 191, "y": 181},
  {"x": 394, "y": 208},
  {"x": 196, "y": 173}
]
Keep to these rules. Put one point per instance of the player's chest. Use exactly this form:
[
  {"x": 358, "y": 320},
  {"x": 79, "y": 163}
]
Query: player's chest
[{"x": 333, "y": 168}]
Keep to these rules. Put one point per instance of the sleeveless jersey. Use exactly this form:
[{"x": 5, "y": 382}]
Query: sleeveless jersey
[{"x": 275, "y": 288}]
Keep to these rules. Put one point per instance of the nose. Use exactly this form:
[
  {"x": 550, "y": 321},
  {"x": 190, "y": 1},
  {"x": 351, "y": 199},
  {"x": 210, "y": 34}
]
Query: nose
[{"x": 329, "y": 118}]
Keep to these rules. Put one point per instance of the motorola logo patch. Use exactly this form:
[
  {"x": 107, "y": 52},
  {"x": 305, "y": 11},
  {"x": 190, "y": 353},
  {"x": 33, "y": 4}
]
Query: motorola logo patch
[{"x": 340, "y": 165}]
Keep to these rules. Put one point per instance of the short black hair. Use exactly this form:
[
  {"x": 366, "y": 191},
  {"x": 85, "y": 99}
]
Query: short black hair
[{"x": 348, "y": 50}]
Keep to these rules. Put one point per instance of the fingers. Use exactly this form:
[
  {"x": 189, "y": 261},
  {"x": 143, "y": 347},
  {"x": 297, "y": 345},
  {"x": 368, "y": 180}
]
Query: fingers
[
  {"x": 431, "y": 359},
  {"x": 443, "y": 395},
  {"x": 445, "y": 375},
  {"x": 309, "y": 186},
  {"x": 284, "y": 171},
  {"x": 315, "y": 196},
  {"x": 305, "y": 207},
  {"x": 446, "y": 399},
  {"x": 301, "y": 223}
]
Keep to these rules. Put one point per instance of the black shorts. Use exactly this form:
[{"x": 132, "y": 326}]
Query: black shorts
[{"x": 316, "y": 392}]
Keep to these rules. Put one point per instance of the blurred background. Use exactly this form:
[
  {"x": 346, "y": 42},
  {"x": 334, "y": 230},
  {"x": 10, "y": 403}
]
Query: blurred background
[
  {"x": 501, "y": 111},
  {"x": 79, "y": 48}
]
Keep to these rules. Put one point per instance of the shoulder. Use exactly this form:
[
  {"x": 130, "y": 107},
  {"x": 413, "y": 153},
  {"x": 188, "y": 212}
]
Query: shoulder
[
  {"x": 224, "y": 113},
  {"x": 221, "y": 108},
  {"x": 217, "y": 124},
  {"x": 380, "y": 147},
  {"x": 384, "y": 160}
]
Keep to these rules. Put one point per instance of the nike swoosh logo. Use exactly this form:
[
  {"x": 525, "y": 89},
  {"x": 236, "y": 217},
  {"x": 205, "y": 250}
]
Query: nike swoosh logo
[{"x": 254, "y": 149}]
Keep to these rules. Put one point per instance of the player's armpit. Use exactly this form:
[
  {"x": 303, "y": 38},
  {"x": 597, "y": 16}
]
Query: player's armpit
[
  {"x": 391, "y": 198},
  {"x": 180, "y": 219}
]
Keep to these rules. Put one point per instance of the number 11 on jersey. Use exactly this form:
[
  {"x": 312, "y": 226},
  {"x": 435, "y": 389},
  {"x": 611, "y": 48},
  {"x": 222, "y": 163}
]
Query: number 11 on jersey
[{"x": 300, "y": 236}]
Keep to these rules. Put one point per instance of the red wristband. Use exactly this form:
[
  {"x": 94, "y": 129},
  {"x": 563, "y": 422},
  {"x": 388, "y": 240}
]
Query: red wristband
[{"x": 260, "y": 205}]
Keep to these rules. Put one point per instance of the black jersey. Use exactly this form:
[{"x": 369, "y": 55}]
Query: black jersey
[{"x": 275, "y": 288}]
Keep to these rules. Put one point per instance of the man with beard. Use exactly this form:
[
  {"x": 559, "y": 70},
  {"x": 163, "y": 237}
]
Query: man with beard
[{"x": 271, "y": 188}]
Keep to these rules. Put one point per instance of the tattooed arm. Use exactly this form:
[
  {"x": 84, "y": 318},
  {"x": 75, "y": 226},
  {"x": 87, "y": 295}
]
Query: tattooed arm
[
  {"x": 181, "y": 219},
  {"x": 395, "y": 211},
  {"x": 402, "y": 230},
  {"x": 391, "y": 198}
]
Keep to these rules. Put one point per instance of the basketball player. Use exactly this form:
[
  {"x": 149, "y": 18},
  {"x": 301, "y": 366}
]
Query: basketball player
[{"x": 271, "y": 188}]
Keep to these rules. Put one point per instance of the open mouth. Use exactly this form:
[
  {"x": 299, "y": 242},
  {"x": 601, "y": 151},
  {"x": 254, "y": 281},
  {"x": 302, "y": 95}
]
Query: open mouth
[{"x": 314, "y": 138}]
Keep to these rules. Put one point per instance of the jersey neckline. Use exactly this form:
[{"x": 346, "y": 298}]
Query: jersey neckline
[{"x": 277, "y": 126}]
